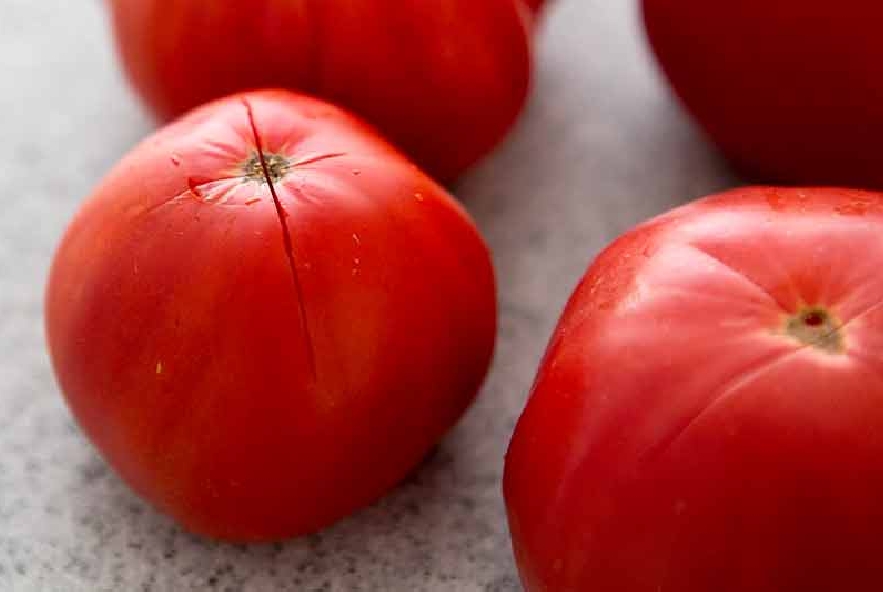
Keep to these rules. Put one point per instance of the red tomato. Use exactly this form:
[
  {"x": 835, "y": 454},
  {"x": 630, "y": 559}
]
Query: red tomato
[
  {"x": 260, "y": 359},
  {"x": 709, "y": 413},
  {"x": 443, "y": 80},
  {"x": 790, "y": 90},
  {"x": 535, "y": 5}
]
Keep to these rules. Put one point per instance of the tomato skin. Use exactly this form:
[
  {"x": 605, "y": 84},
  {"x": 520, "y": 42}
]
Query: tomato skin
[
  {"x": 175, "y": 329},
  {"x": 791, "y": 91},
  {"x": 443, "y": 81},
  {"x": 677, "y": 438},
  {"x": 535, "y": 5}
]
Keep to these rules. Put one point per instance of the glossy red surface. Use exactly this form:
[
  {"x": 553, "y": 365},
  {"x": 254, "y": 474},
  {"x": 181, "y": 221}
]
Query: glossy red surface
[
  {"x": 443, "y": 80},
  {"x": 682, "y": 436},
  {"x": 260, "y": 359},
  {"x": 790, "y": 90}
]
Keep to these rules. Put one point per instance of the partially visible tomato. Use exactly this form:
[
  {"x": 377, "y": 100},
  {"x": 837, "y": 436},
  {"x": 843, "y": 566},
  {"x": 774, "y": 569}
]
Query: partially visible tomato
[
  {"x": 443, "y": 80},
  {"x": 709, "y": 413},
  {"x": 790, "y": 90},
  {"x": 265, "y": 316}
]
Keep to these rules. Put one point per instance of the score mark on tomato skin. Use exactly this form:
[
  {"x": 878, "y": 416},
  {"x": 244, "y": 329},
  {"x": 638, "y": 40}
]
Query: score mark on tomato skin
[{"x": 270, "y": 175}]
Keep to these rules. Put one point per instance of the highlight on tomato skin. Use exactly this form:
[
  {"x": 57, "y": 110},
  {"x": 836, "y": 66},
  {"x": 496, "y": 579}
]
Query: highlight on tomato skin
[
  {"x": 265, "y": 316},
  {"x": 444, "y": 81},
  {"x": 708, "y": 414},
  {"x": 788, "y": 90}
]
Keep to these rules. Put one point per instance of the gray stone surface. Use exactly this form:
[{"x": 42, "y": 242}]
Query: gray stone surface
[{"x": 600, "y": 147}]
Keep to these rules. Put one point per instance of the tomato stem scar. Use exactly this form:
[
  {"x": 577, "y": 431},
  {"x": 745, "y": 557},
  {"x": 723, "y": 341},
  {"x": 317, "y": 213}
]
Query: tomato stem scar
[{"x": 816, "y": 327}]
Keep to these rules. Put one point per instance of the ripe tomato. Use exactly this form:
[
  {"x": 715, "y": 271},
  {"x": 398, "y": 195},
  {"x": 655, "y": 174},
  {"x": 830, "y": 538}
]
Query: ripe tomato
[
  {"x": 265, "y": 316},
  {"x": 535, "y": 5},
  {"x": 790, "y": 90},
  {"x": 709, "y": 414},
  {"x": 442, "y": 80}
]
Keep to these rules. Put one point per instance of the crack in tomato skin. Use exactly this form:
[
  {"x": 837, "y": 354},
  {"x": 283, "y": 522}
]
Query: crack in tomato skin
[
  {"x": 288, "y": 243},
  {"x": 318, "y": 158}
]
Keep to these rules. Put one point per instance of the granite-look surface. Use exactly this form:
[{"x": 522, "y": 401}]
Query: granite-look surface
[{"x": 600, "y": 147}]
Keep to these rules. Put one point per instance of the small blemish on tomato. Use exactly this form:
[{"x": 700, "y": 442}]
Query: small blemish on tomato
[
  {"x": 418, "y": 196},
  {"x": 159, "y": 368},
  {"x": 176, "y": 160}
]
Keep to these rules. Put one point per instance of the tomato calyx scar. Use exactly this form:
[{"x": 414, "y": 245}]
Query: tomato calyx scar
[
  {"x": 267, "y": 168},
  {"x": 815, "y": 327}
]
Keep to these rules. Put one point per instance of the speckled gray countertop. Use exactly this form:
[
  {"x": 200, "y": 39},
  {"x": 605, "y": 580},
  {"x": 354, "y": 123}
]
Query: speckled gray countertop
[{"x": 600, "y": 147}]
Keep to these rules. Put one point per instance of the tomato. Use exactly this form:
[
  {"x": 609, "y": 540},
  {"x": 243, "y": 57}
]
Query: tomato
[
  {"x": 265, "y": 316},
  {"x": 709, "y": 413},
  {"x": 535, "y": 5},
  {"x": 790, "y": 90},
  {"x": 443, "y": 80}
]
